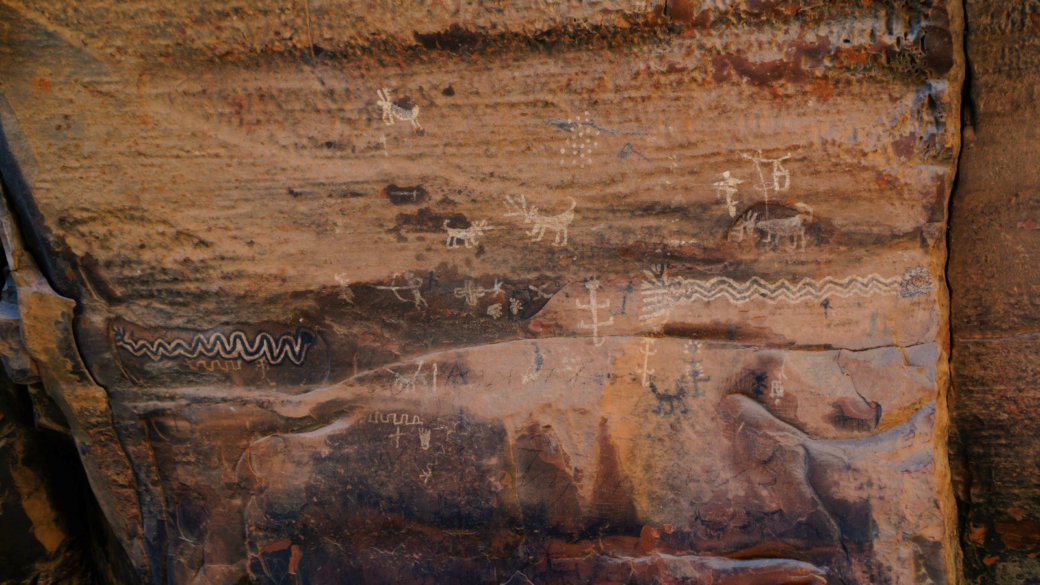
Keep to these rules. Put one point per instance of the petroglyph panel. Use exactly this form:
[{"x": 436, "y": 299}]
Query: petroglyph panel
[{"x": 557, "y": 292}]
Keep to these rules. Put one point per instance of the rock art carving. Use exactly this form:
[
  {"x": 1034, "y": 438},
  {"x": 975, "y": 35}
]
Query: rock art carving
[
  {"x": 594, "y": 307},
  {"x": 234, "y": 346},
  {"x": 779, "y": 177},
  {"x": 468, "y": 236},
  {"x": 728, "y": 187},
  {"x": 540, "y": 223},
  {"x": 412, "y": 284},
  {"x": 661, "y": 293},
  {"x": 776, "y": 230},
  {"x": 393, "y": 112},
  {"x": 472, "y": 293}
]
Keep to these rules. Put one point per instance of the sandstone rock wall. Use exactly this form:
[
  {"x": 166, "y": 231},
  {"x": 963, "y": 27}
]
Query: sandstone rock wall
[
  {"x": 543, "y": 292},
  {"x": 993, "y": 281}
]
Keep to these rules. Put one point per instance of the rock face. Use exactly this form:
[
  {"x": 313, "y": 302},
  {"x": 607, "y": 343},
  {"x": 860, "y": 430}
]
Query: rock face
[
  {"x": 419, "y": 292},
  {"x": 993, "y": 281}
]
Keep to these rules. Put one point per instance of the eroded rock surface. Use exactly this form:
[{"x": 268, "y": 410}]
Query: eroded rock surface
[
  {"x": 993, "y": 280},
  {"x": 548, "y": 292}
]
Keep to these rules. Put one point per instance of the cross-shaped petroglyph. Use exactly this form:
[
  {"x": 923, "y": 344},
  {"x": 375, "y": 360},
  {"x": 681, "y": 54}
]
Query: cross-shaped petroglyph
[
  {"x": 594, "y": 307},
  {"x": 396, "y": 437},
  {"x": 472, "y": 293}
]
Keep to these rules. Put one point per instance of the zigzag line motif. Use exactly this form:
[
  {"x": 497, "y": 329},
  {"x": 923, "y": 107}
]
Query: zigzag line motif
[
  {"x": 663, "y": 293},
  {"x": 234, "y": 346}
]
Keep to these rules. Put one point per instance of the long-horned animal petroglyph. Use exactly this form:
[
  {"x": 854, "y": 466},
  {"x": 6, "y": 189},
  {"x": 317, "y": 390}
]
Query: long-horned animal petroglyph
[
  {"x": 558, "y": 223},
  {"x": 744, "y": 228},
  {"x": 661, "y": 293},
  {"x": 776, "y": 230},
  {"x": 468, "y": 236},
  {"x": 392, "y": 111},
  {"x": 234, "y": 346}
]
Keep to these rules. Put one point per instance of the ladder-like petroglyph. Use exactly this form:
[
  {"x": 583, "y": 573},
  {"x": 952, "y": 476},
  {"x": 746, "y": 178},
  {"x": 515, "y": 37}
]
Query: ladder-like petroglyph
[
  {"x": 236, "y": 345},
  {"x": 661, "y": 293}
]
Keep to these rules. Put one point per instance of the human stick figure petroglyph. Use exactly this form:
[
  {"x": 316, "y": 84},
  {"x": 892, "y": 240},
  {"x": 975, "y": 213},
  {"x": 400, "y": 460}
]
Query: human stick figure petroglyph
[
  {"x": 594, "y": 307},
  {"x": 412, "y": 283},
  {"x": 728, "y": 187},
  {"x": 472, "y": 293},
  {"x": 558, "y": 223},
  {"x": 393, "y": 112},
  {"x": 780, "y": 177},
  {"x": 468, "y": 236}
]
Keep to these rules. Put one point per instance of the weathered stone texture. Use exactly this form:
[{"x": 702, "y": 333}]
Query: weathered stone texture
[
  {"x": 448, "y": 292},
  {"x": 994, "y": 284}
]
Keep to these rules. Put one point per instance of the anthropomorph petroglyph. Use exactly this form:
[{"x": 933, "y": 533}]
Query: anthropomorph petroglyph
[
  {"x": 779, "y": 179},
  {"x": 728, "y": 187},
  {"x": 424, "y": 438},
  {"x": 594, "y": 308},
  {"x": 468, "y": 236},
  {"x": 540, "y": 223},
  {"x": 393, "y": 112},
  {"x": 472, "y": 293},
  {"x": 413, "y": 284}
]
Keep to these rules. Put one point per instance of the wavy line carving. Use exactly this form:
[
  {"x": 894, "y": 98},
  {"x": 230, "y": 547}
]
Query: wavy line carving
[
  {"x": 662, "y": 293},
  {"x": 234, "y": 346}
]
